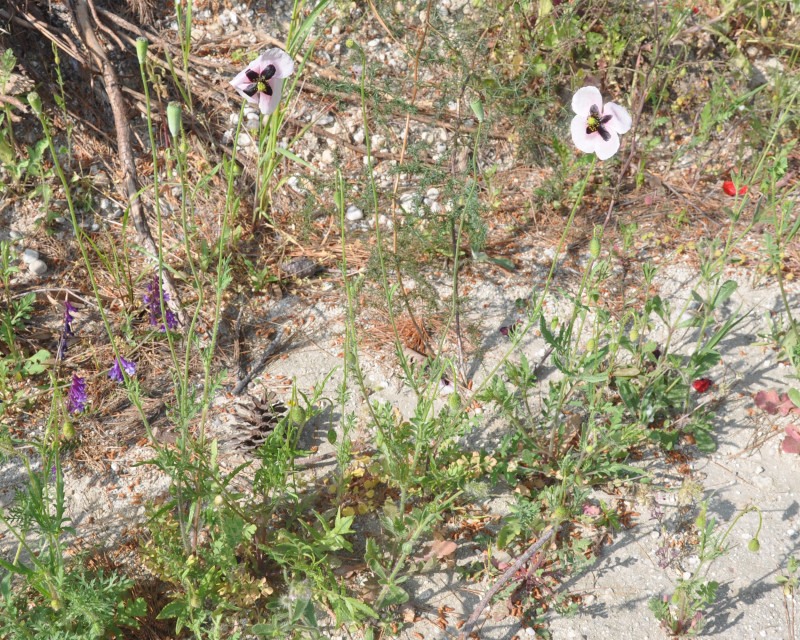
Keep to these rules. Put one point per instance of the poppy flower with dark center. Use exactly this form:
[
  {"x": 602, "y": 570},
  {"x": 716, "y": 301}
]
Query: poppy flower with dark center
[
  {"x": 261, "y": 82},
  {"x": 596, "y": 127}
]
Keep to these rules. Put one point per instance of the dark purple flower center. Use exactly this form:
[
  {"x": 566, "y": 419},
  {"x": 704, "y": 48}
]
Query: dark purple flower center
[
  {"x": 595, "y": 122},
  {"x": 260, "y": 81}
]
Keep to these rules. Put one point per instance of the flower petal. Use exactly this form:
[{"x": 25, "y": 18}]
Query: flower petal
[
  {"x": 584, "y": 99},
  {"x": 621, "y": 120},
  {"x": 284, "y": 65},
  {"x": 584, "y": 141},
  {"x": 268, "y": 104},
  {"x": 241, "y": 82},
  {"x": 791, "y": 444},
  {"x": 606, "y": 148}
]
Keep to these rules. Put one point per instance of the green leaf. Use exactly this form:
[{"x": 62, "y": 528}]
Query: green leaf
[
  {"x": 173, "y": 610},
  {"x": 725, "y": 291},
  {"x": 295, "y": 158},
  {"x": 794, "y": 396}
]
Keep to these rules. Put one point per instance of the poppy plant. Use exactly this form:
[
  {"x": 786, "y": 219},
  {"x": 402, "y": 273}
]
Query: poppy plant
[
  {"x": 262, "y": 81},
  {"x": 596, "y": 127}
]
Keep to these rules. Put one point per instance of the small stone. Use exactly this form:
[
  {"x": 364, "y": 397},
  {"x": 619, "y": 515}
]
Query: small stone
[
  {"x": 14, "y": 234},
  {"x": 353, "y": 213},
  {"x": 327, "y": 157},
  {"x": 325, "y": 120},
  {"x": 38, "y": 267},
  {"x": 105, "y": 204},
  {"x": 373, "y": 43},
  {"x": 336, "y": 30},
  {"x": 29, "y": 256},
  {"x": 244, "y": 139},
  {"x": 358, "y": 136},
  {"x": 377, "y": 141}
]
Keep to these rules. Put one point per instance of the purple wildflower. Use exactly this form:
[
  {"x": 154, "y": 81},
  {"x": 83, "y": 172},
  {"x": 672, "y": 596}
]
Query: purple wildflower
[
  {"x": 152, "y": 300},
  {"x": 119, "y": 364},
  {"x": 77, "y": 397},
  {"x": 66, "y": 329}
]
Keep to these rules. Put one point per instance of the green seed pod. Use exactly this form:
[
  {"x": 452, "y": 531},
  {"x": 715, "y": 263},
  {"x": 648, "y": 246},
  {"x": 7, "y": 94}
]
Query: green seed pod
[
  {"x": 141, "y": 49},
  {"x": 634, "y": 335},
  {"x": 68, "y": 430},
  {"x": 754, "y": 545},
  {"x": 591, "y": 344}
]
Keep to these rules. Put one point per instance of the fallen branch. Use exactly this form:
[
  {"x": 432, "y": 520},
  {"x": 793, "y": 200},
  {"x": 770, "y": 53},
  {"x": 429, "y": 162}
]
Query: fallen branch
[
  {"x": 520, "y": 562},
  {"x": 129, "y": 179}
]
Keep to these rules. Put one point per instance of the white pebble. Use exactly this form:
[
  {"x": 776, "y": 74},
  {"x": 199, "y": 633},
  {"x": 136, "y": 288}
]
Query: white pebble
[
  {"x": 358, "y": 136},
  {"x": 244, "y": 139},
  {"x": 14, "y": 234},
  {"x": 38, "y": 267},
  {"x": 353, "y": 213},
  {"x": 327, "y": 156},
  {"x": 29, "y": 256}
]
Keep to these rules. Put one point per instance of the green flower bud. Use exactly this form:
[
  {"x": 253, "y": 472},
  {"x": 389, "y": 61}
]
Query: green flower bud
[
  {"x": 560, "y": 514},
  {"x": 141, "y": 49},
  {"x": 297, "y": 415},
  {"x": 633, "y": 335},
  {"x": 754, "y": 545},
  {"x": 68, "y": 430},
  {"x": 594, "y": 248},
  {"x": 454, "y": 402},
  {"x": 349, "y": 43},
  {"x": 36, "y": 102},
  {"x": 174, "y": 118},
  {"x": 591, "y": 344},
  {"x": 477, "y": 108}
]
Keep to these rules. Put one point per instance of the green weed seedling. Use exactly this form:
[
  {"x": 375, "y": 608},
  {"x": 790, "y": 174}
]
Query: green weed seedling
[
  {"x": 684, "y": 612},
  {"x": 789, "y": 582}
]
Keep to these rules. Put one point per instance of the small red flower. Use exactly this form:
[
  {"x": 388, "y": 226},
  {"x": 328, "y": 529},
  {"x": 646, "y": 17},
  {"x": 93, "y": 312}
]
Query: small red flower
[
  {"x": 695, "y": 10},
  {"x": 730, "y": 189},
  {"x": 701, "y": 385}
]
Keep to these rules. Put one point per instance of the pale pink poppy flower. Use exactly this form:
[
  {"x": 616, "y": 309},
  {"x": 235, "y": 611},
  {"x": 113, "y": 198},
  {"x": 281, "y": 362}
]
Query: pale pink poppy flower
[
  {"x": 596, "y": 127},
  {"x": 262, "y": 81}
]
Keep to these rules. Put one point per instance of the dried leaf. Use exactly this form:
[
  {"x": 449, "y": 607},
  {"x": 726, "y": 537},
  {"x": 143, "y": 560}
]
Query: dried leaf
[{"x": 441, "y": 549}]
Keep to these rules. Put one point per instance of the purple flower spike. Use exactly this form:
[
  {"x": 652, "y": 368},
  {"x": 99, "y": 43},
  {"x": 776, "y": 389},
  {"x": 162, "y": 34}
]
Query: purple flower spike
[
  {"x": 66, "y": 329},
  {"x": 152, "y": 301},
  {"x": 77, "y": 397},
  {"x": 261, "y": 82},
  {"x": 119, "y": 364}
]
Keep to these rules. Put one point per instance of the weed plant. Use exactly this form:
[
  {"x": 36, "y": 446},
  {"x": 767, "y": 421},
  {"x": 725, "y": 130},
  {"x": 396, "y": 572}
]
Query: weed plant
[{"x": 255, "y": 550}]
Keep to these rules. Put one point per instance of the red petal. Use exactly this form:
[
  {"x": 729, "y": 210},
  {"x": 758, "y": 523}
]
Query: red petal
[
  {"x": 701, "y": 385},
  {"x": 742, "y": 190},
  {"x": 791, "y": 444},
  {"x": 729, "y": 188},
  {"x": 768, "y": 401}
]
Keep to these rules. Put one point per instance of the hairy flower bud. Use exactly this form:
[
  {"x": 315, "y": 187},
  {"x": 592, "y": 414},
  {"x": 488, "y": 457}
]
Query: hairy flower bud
[
  {"x": 141, "y": 49},
  {"x": 174, "y": 118}
]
